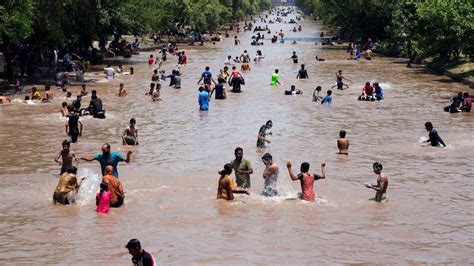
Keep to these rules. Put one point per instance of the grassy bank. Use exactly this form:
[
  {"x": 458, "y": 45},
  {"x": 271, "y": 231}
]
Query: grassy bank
[{"x": 461, "y": 70}]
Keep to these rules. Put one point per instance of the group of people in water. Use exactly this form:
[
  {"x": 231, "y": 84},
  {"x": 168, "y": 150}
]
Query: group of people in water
[{"x": 459, "y": 103}]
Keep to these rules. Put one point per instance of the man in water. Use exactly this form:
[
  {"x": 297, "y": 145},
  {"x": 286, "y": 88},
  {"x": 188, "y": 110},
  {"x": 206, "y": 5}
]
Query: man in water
[
  {"x": 72, "y": 125},
  {"x": 275, "y": 78},
  {"x": 109, "y": 71},
  {"x": 378, "y": 91},
  {"x": 340, "y": 81},
  {"x": 294, "y": 57},
  {"x": 67, "y": 157},
  {"x": 433, "y": 136},
  {"x": 130, "y": 134},
  {"x": 270, "y": 175},
  {"x": 206, "y": 77},
  {"x": 328, "y": 98},
  {"x": 467, "y": 103},
  {"x": 242, "y": 167},
  {"x": 65, "y": 192},
  {"x": 95, "y": 106},
  {"x": 203, "y": 99},
  {"x": 245, "y": 57},
  {"x": 343, "y": 143},
  {"x": 302, "y": 73},
  {"x": 382, "y": 183},
  {"x": 226, "y": 186},
  {"x": 262, "y": 134},
  {"x": 108, "y": 158},
  {"x": 139, "y": 256},
  {"x": 115, "y": 187},
  {"x": 307, "y": 179},
  {"x": 48, "y": 94}
]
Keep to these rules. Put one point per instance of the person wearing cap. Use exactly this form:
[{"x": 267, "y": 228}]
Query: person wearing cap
[
  {"x": 382, "y": 183},
  {"x": 139, "y": 256}
]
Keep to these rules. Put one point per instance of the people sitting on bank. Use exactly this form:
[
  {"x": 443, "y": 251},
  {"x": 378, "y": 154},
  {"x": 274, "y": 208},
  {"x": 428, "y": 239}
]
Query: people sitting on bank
[{"x": 293, "y": 91}]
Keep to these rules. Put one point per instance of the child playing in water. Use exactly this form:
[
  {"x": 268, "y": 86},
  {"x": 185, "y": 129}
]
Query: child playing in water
[
  {"x": 151, "y": 60},
  {"x": 102, "y": 199},
  {"x": 328, "y": 98},
  {"x": 130, "y": 134},
  {"x": 155, "y": 95},
  {"x": 122, "y": 91},
  {"x": 162, "y": 75},
  {"x": 316, "y": 97}
]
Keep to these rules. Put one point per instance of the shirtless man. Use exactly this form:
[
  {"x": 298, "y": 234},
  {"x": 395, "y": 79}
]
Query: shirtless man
[
  {"x": 68, "y": 157},
  {"x": 48, "y": 95},
  {"x": 340, "y": 81},
  {"x": 343, "y": 143},
  {"x": 245, "y": 56},
  {"x": 73, "y": 125},
  {"x": 130, "y": 134},
  {"x": 122, "y": 91},
  {"x": 4, "y": 100},
  {"x": 382, "y": 183},
  {"x": 270, "y": 175}
]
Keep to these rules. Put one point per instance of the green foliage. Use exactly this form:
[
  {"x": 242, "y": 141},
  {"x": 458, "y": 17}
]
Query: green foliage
[{"x": 15, "y": 19}]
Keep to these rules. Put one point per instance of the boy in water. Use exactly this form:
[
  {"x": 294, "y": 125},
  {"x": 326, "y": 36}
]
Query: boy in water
[
  {"x": 122, "y": 91},
  {"x": 270, "y": 175},
  {"x": 340, "y": 81},
  {"x": 433, "y": 136},
  {"x": 275, "y": 78},
  {"x": 139, "y": 255},
  {"x": 130, "y": 134},
  {"x": 343, "y": 143},
  {"x": 382, "y": 183},
  {"x": 67, "y": 157},
  {"x": 72, "y": 125},
  {"x": 262, "y": 134},
  {"x": 294, "y": 57},
  {"x": 328, "y": 98},
  {"x": 302, "y": 73},
  {"x": 316, "y": 92},
  {"x": 307, "y": 179}
]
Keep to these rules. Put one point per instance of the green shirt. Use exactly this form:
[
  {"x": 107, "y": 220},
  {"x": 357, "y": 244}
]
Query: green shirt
[
  {"x": 275, "y": 78},
  {"x": 243, "y": 180}
]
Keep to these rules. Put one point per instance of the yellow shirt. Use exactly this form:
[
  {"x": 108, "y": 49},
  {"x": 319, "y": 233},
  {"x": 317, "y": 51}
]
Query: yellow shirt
[
  {"x": 67, "y": 183},
  {"x": 36, "y": 95},
  {"x": 222, "y": 187}
]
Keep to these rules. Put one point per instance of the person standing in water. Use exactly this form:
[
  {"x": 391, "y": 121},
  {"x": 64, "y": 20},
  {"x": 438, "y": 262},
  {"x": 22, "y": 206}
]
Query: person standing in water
[
  {"x": 433, "y": 138},
  {"x": 108, "y": 158},
  {"x": 139, "y": 256},
  {"x": 65, "y": 192},
  {"x": 122, "y": 91},
  {"x": 67, "y": 157},
  {"x": 242, "y": 167},
  {"x": 115, "y": 187},
  {"x": 102, "y": 199},
  {"x": 294, "y": 57},
  {"x": 262, "y": 134},
  {"x": 307, "y": 179},
  {"x": 328, "y": 98},
  {"x": 73, "y": 125},
  {"x": 270, "y": 175},
  {"x": 226, "y": 186},
  {"x": 275, "y": 78},
  {"x": 340, "y": 81},
  {"x": 382, "y": 183},
  {"x": 302, "y": 73},
  {"x": 130, "y": 134},
  {"x": 203, "y": 99},
  {"x": 343, "y": 143}
]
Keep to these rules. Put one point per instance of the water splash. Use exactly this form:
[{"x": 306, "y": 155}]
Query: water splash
[{"x": 89, "y": 187}]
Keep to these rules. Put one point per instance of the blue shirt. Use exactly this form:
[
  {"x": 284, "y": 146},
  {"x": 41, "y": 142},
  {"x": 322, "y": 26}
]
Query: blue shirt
[
  {"x": 327, "y": 99},
  {"x": 207, "y": 77},
  {"x": 113, "y": 160},
  {"x": 203, "y": 100},
  {"x": 379, "y": 92}
]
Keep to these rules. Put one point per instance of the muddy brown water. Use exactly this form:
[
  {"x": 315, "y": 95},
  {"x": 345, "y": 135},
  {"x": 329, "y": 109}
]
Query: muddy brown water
[{"x": 171, "y": 183}]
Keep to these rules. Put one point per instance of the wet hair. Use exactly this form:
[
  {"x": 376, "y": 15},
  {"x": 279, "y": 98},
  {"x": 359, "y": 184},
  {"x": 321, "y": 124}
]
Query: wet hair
[
  {"x": 276, "y": 70},
  {"x": 201, "y": 88},
  {"x": 47, "y": 88},
  {"x": 227, "y": 170},
  {"x": 70, "y": 108},
  {"x": 302, "y": 65},
  {"x": 103, "y": 186},
  {"x": 269, "y": 122},
  {"x": 133, "y": 244},
  {"x": 466, "y": 94},
  {"x": 376, "y": 83},
  {"x": 377, "y": 166},
  {"x": 131, "y": 70},
  {"x": 107, "y": 145},
  {"x": 121, "y": 84},
  {"x": 133, "y": 121},
  {"x": 155, "y": 71},
  {"x": 428, "y": 125},
  {"x": 94, "y": 92},
  {"x": 293, "y": 87},
  {"x": 71, "y": 170},
  {"x": 27, "y": 98},
  {"x": 238, "y": 149},
  {"x": 329, "y": 92},
  {"x": 152, "y": 85},
  {"x": 64, "y": 104},
  {"x": 342, "y": 133},
  {"x": 109, "y": 65},
  {"x": 267, "y": 156},
  {"x": 304, "y": 167},
  {"x": 66, "y": 143},
  {"x": 68, "y": 94},
  {"x": 207, "y": 68},
  {"x": 318, "y": 88},
  {"x": 33, "y": 89},
  {"x": 93, "y": 96},
  {"x": 367, "y": 83}
]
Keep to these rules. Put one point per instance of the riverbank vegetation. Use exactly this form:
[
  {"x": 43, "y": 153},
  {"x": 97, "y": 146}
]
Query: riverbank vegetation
[
  {"x": 443, "y": 29},
  {"x": 31, "y": 29}
]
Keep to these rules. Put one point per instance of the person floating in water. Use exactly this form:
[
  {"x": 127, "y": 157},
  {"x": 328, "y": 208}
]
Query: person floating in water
[
  {"x": 130, "y": 134},
  {"x": 293, "y": 91},
  {"x": 433, "y": 138},
  {"x": 270, "y": 175},
  {"x": 227, "y": 186},
  {"x": 343, "y": 143},
  {"x": 242, "y": 168},
  {"x": 307, "y": 179},
  {"x": 67, "y": 156},
  {"x": 262, "y": 134},
  {"x": 302, "y": 73},
  {"x": 276, "y": 78},
  {"x": 382, "y": 183}
]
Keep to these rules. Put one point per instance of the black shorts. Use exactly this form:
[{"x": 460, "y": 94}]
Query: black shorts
[{"x": 74, "y": 135}]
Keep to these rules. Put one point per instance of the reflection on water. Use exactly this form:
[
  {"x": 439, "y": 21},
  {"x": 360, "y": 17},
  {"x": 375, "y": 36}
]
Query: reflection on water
[{"x": 172, "y": 179}]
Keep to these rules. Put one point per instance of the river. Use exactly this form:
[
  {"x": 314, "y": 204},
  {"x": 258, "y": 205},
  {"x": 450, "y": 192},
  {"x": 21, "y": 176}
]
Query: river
[{"x": 171, "y": 182}]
